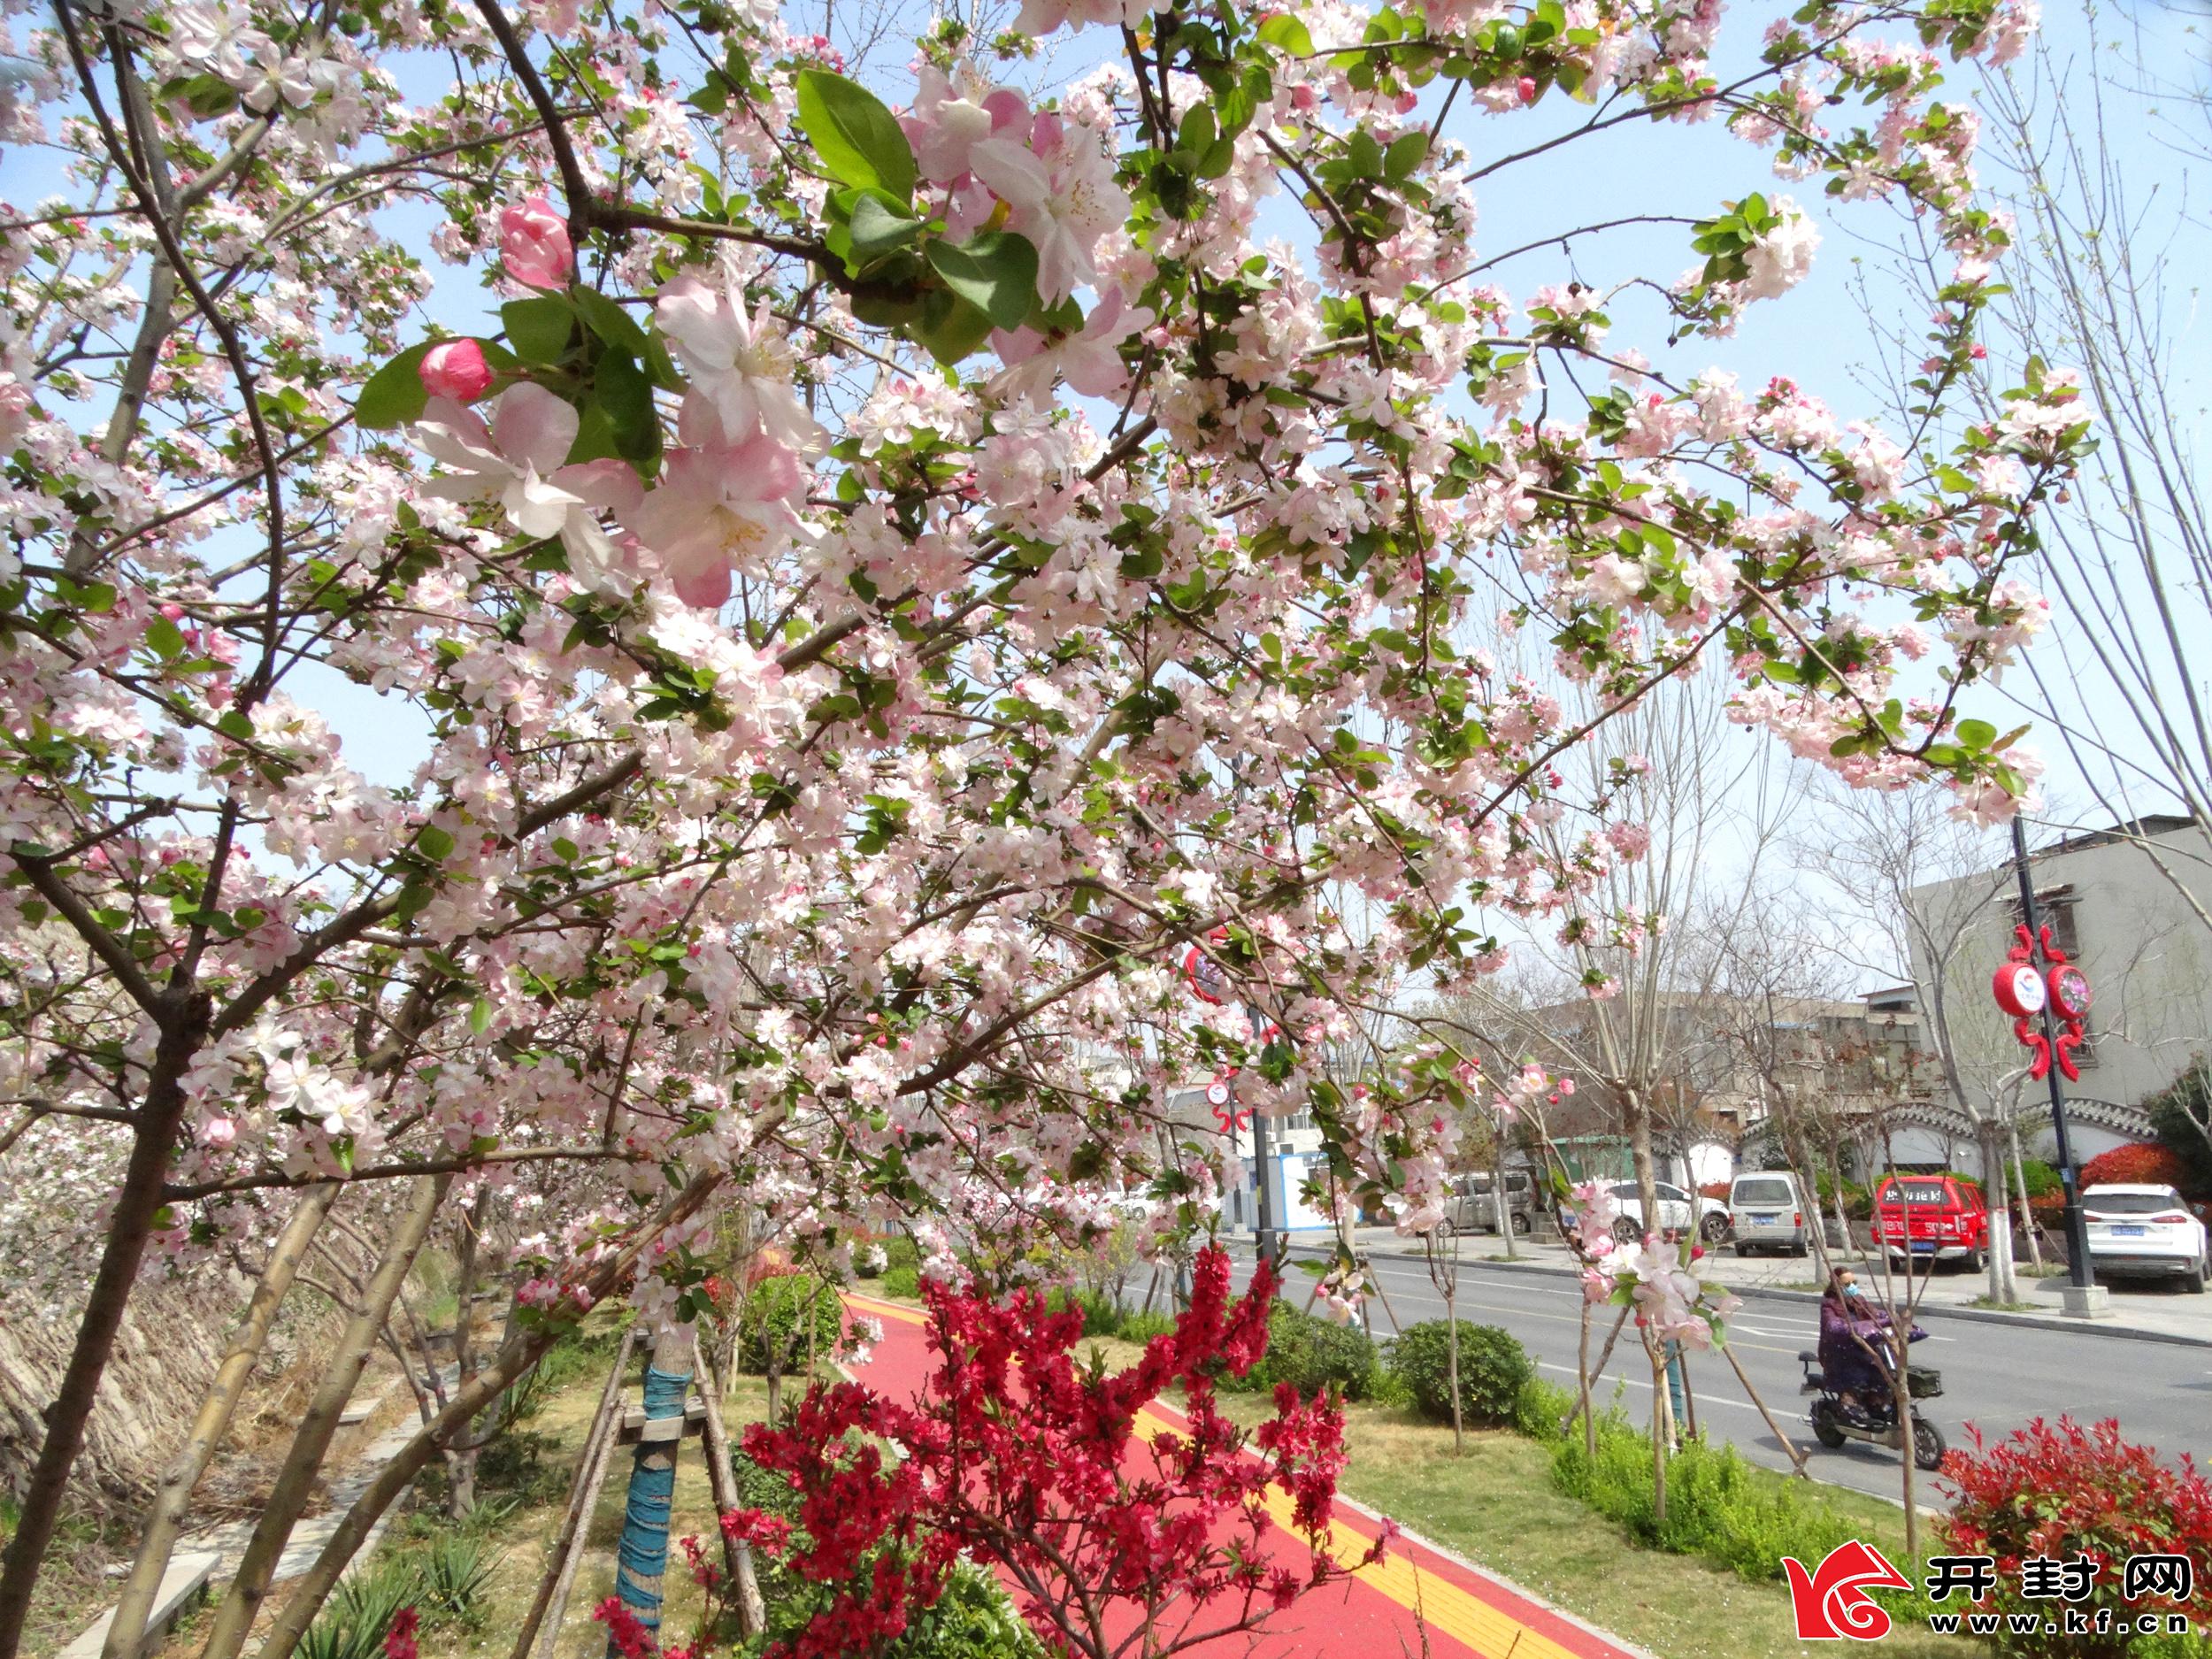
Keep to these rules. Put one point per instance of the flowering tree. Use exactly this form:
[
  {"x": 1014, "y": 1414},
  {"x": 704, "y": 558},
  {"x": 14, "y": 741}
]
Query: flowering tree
[
  {"x": 1021, "y": 1458},
  {"x": 876, "y": 585}
]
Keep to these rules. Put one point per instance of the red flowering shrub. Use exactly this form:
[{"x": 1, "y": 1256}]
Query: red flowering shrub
[
  {"x": 399, "y": 1635},
  {"x": 1025, "y": 1460},
  {"x": 2062, "y": 1490},
  {"x": 1718, "y": 1190},
  {"x": 2149, "y": 1165}
]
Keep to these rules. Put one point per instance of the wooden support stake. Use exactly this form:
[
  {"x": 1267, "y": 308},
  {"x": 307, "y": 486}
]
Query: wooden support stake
[
  {"x": 1604, "y": 1354},
  {"x": 737, "y": 1555},
  {"x": 1797, "y": 1456}
]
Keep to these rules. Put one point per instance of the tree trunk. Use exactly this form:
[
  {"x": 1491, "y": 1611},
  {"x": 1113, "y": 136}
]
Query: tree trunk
[
  {"x": 1451, "y": 1348},
  {"x": 2027, "y": 1209},
  {"x": 1500, "y": 1211},
  {"x": 130, "y": 1225},
  {"x": 2003, "y": 1287},
  {"x": 460, "y": 1459},
  {"x": 1582, "y": 1369},
  {"x": 1647, "y": 1175},
  {"x": 1661, "y": 1428},
  {"x": 172, "y": 1498},
  {"x": 296, "y": 1481},
  {"x": 641, "y": 1558}
]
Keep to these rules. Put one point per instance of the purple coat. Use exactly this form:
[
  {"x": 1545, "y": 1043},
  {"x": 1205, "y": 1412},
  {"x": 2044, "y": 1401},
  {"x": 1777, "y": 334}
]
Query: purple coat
[{"x": 1843, "y": 1362}]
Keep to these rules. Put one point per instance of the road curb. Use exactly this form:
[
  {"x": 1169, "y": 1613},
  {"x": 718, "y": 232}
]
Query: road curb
[{"x": 1943, "y": 1310}]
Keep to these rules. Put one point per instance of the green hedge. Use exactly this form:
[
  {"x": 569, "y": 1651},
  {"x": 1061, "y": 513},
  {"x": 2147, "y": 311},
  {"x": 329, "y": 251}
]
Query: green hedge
[
  {"x": 1312, "y": 1354},
  {"x": 903, "y": 1282},
  {"x": 1720, "y": 1507},
  {"x": 777, "y": 1309},
  {"x": 1494, "y": 1370}
]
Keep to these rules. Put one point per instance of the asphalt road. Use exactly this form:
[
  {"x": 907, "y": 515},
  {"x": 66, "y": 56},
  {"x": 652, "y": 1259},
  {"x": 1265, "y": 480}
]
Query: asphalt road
[{"x": 1995, "y": 1377}]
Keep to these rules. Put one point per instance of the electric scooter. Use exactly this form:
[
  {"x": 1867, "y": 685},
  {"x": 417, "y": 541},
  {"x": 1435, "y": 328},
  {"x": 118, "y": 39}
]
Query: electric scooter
[{"x": 1832, "y": 1426}]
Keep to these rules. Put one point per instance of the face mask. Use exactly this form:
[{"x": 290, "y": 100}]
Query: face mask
[{"x": 1853, "y": 1291}]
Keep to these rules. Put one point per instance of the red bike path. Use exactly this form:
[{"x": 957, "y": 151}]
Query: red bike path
[{"x": 1384, "y": 1609}]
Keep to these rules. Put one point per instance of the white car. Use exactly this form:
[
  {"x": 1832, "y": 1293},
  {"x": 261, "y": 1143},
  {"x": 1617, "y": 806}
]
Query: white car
[
  {"x": 2145, "y": 1229},
  {"x": 1678, "y": 1212}
]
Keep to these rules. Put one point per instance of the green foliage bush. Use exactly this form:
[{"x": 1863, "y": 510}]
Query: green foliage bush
[
  {"x": 2040, "y": 1179},
  {"x": 973, "y": 1619},
  {"x": 1102, "y": 1314},
  {"x": 1541, "y": 1408},
  {"x": 777, "y": 1312},
  {"x": 903, "y": 1282},
  {"x": 352, "y": 1625},
  {"x": 1493, "y": 1370},
  {"x": 1143, "y": 1326},
  {"x": 452, "y": 1574},
  {"x": 1311, "y": 1354}
]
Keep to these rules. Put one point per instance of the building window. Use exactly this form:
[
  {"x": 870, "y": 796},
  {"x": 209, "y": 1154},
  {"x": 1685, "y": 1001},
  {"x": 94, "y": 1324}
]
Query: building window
[{"x": 2055, "y": 908}]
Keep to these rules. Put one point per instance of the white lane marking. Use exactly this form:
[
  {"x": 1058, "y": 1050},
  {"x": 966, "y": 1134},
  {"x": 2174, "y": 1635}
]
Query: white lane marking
[{"x": 1605, "y": 1384}]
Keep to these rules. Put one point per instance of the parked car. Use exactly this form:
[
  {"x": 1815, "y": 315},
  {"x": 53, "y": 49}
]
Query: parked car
[
  {"x": 1936, "y": 1216},
  {"x": 1473, "y": 1209},
  {"x": 1767, "y": 1212},
  {"x": 2148, "y": 1229},
  {"x": 1679, "y": 1211}
]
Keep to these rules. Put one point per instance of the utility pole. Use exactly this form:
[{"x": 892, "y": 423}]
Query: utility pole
[{"x": 2085, "y": 1298}]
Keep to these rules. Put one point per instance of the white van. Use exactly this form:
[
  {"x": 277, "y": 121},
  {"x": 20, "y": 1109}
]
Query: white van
[{"x": 1767, "y": 1212}]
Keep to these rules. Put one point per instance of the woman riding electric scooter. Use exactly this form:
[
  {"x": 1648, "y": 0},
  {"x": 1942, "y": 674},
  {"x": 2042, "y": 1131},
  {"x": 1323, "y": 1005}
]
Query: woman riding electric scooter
[{"x": 1858, "y": 1401}]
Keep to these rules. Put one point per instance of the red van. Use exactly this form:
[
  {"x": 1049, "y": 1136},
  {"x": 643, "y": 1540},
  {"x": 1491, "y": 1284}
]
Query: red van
[{"x": 1937, "y": 1216}]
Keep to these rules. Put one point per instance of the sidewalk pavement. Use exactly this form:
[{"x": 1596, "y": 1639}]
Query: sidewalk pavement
[
  {"x": 2150, "y": 1312},
  {"x": 1417, "y": 1599}
]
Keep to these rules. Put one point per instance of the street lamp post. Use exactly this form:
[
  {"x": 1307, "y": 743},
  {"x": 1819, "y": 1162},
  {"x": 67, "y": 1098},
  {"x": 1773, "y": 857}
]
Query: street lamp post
[
  {"x": 2085, "y": 1298},
  {"x": 1264, "y": 1234}
]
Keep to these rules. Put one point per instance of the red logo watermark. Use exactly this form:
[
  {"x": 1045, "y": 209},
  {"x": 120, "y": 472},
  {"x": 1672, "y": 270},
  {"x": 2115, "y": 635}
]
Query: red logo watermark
[{"x": 1833, "y": 1604}]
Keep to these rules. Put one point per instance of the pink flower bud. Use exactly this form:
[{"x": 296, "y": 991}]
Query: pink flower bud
[
  {"x": 456, "y": 369},
  {"x": 1527, "y": 88},
  {"x": 533, "y": 244}
]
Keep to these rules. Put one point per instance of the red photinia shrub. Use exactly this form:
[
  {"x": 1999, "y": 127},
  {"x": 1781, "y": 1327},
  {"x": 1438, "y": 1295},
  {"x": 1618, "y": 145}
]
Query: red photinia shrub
[
  {"x": 2148, "y": 1164},
  {"x": 2062, "y": 1490},
  {"x": 1718, "y": 1190},
  {"x": 1023, "y": 1459}
]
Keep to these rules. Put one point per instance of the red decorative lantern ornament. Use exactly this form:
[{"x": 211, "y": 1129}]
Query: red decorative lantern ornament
[
  {"x": 2023, "y": 990},
  {"x": 2019, "y": 987}
]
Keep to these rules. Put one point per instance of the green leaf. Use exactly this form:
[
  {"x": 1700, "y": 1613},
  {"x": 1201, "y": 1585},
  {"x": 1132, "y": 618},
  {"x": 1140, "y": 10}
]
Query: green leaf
[
  {"x": 994, "y": 271},
  {"x": 1288, "y": 34},
  {"x": 948, "y": 327},
  {"x": 625, "y": 394},
  {"x": 1976, "y": 733},
  {"x": 168, "y": 640},
  {"x": 1406, "y": 152},
  {"x": 595, "y": 438},
  {"x": 481, "y": 1017},
  {"x": 879, "y": 228},
  {"x": 539, "y": 328},
  {"x": 434, "y": 843},
  {"x": 393, "y": 395},
  {"x": 609, "y": 321},
  {"x": 858, "y": 140}
]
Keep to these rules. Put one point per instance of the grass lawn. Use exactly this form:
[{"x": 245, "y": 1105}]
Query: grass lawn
[{"x": 1497, "y": 1506}]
